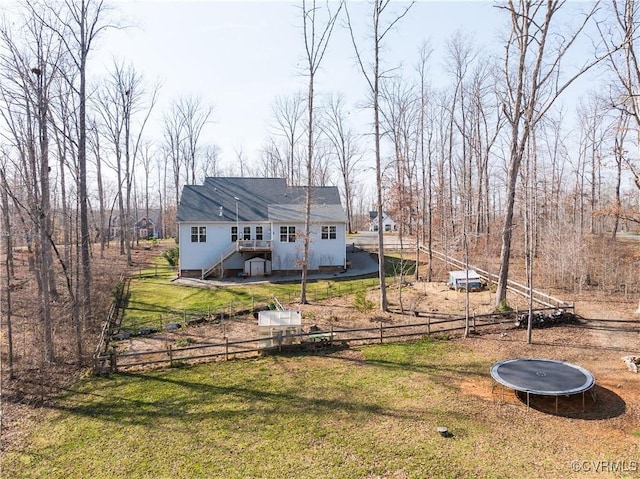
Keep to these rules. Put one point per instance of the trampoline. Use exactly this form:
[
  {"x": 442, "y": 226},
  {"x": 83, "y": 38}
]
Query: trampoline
[{"x": 543, "y": 377}]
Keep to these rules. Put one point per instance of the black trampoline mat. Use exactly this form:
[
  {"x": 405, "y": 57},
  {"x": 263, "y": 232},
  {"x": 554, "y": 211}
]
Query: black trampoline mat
[{"x": 545, "y": 377}]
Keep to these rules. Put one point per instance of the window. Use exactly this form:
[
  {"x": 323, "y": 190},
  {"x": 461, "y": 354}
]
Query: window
[
  {"x": 287, "y": 234},
  {"x": 247, "y": 233},
  {"x": 328, "y": 232},
  {"x": 198, "y": 234},
  {"x": 234, "y": 234},
  {"x": 259, "y": 233}
]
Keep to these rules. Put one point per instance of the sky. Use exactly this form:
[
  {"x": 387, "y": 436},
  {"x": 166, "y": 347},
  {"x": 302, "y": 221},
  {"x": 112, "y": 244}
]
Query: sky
[{"x": 239, "y": 56}]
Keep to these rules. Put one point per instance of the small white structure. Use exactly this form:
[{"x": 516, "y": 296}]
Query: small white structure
[
  {"x": 257, "y": 267},
  {"x": 458, "y": 280},
  {"x": 277, "y": 327}
]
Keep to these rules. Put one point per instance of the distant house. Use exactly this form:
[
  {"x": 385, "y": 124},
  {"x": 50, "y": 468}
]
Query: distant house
[
  {"x": 144, "y": 227},
  {"x": 388, "y": 223},
  {"x": 254, "y": 227}
]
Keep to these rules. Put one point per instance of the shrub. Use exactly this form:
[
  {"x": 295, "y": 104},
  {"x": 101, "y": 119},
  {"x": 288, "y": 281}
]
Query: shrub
[
  {"x": 361, "y": 303},
  {"x": 184, "y": 342},
  {"x": 117, "y": 290},
  {"x": 172, "y": 255}
]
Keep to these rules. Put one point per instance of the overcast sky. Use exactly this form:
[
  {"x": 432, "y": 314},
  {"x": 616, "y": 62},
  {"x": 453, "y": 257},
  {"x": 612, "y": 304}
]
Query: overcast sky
[{"x": 240, "y": 55}]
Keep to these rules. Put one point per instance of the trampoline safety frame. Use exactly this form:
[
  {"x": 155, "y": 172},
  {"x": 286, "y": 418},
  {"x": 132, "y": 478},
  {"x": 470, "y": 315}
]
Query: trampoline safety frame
[{"x": 542, "y": 377}]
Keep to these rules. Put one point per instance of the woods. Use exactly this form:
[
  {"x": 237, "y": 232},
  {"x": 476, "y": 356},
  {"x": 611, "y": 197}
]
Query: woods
[{"x": 482, "y": 161}]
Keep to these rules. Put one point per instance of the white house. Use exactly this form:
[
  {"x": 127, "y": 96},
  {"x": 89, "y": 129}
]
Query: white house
[
  {"x": 255, "y": 226},
  {"x": 388, "y": 223}
]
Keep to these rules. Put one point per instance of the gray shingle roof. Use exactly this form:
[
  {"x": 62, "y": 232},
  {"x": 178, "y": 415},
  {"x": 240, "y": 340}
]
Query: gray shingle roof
[
  {"x": 296, "y": 213},
  {"x": 216, "y": 199}
]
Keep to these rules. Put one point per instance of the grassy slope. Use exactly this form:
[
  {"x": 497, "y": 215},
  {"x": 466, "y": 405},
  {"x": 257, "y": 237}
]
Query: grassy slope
[
  {"x": 301, "y": 417},
  {"x": 154, "y": 298}
]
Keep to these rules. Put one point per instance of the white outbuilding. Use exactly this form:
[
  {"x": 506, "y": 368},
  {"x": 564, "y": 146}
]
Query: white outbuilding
[{"x": 459, "y": 279}]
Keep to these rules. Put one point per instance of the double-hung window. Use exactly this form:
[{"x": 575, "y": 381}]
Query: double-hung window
[
  {"x": 259, "y": 233},
  {"x": 198, "y": 234},
  {"x": 234, "y": 234},
  {"x": 328, "y": 232},
  {"x": 246, "y": 235},
  {"x": 287, "y": 234}
]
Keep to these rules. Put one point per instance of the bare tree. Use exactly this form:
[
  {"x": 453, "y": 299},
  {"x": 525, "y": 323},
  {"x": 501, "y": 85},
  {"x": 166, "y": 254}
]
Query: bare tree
[
  {"x": 78, "y": 24},
  {"x": 426, "y": 163},
  {"x": 595, "y": 125},
  {"x": 194, "y": 115},
  {"x": 241, "y": 159},
  {"x": 272, "y": 160},
  {"x": 173, "y": 131},
  {"x": 210, "y": 164},
  {"x": 30, "y": 66},
  {"x": 287, "y": 113},
  {"x": 94, "y": 141},
  {"x": 534, "y": 58},
  {"x": 121, "y": 100},
  {"x": 8, "y": 267},
  {"x": 146, "y": 161},
  {"x": 345, "y": 148},
  {"x": 316, "y": 41},
  {"x": 373, "y": 75}
]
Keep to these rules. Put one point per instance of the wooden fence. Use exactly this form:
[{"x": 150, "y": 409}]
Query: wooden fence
[
  {"x": 107, "y": 359},
  {"x": 538, "y": 296},
  {"x": 423, "y": 326},
  {"x": 114, "y": 316}
]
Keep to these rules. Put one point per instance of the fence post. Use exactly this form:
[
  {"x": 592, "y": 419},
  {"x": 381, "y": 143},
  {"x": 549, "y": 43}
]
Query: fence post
[
  {"x": 429, "y": 325},
  {"x": 170, "y": 356},
  {"x": 279, "y": 341},
  {"x": 226, "y": 349},
  {"x": 331, "y": 335},
  {"x": 113, "y": 361},
  {"x": 380, "y": 332}
]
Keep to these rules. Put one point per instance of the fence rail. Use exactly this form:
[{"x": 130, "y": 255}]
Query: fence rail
[
  {"x": 228, "y": 349},
  {"x": 114, "y": 316}
]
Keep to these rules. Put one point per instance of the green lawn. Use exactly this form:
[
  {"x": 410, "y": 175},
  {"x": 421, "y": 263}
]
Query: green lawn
[
  {"x": 156, "y": 300},
  {"x": 369, "y": 413}
]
